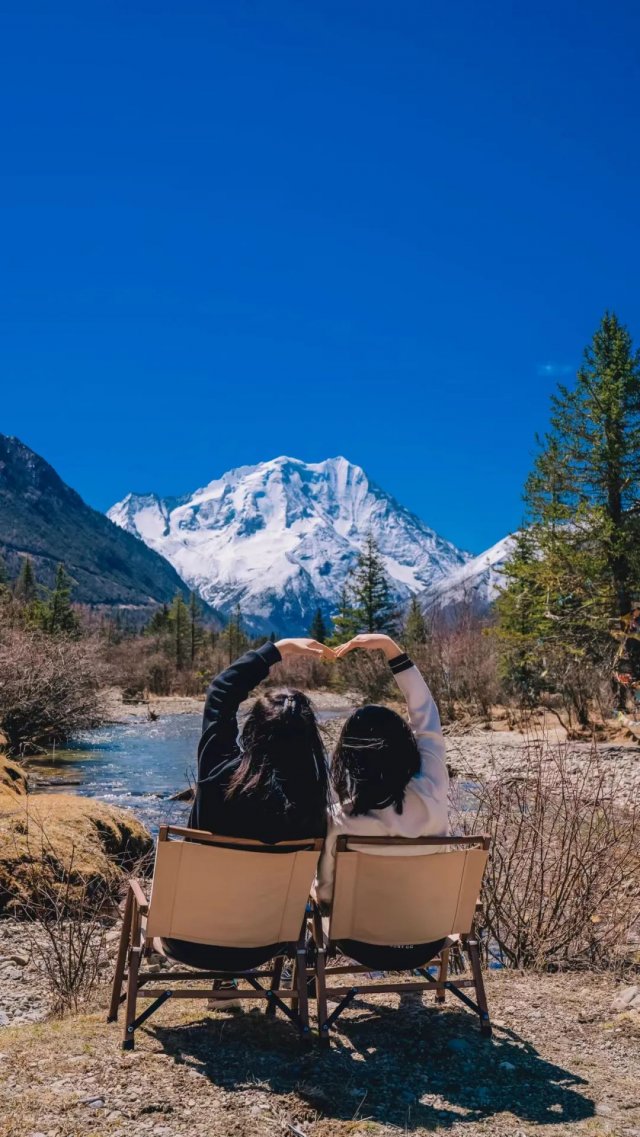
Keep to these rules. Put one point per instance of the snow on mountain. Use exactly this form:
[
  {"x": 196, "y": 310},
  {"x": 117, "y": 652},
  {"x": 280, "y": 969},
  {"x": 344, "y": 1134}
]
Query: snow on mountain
[
  {"x": 280, "y": 537},
  {"x": 477, "y": 582}
]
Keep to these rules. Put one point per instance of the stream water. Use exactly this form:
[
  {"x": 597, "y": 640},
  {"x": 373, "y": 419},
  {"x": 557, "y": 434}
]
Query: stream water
[{"x": 138, "y": 765}]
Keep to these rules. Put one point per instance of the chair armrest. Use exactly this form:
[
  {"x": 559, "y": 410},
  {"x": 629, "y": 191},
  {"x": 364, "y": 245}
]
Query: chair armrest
[{"x": 139, "y": 896}]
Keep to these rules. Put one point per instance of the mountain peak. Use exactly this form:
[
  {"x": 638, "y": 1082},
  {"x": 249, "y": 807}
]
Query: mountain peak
[{"x": 280, "y": 537}]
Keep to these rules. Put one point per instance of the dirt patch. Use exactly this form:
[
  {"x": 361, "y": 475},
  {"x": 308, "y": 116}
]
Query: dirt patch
[{"x": 560, "y": 1062}]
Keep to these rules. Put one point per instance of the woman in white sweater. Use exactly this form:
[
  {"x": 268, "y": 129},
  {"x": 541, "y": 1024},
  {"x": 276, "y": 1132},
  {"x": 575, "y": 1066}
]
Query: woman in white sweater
[{"x": 390, "y": 776}]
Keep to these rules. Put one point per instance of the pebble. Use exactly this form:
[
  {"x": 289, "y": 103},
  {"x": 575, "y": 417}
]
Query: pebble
[
  {"x": 506, "y": 1065},
  {"x": 460, "y": 1045}
]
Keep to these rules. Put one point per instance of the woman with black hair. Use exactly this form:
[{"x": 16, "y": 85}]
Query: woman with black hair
[
  {"x": 390, "y": 778},
  {"x": 269, "y": 783}
]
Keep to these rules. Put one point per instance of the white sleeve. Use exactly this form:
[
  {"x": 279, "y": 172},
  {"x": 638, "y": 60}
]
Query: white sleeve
[
  {"x": 323, "y": 886},
  {"x": 432, "y": 783}
]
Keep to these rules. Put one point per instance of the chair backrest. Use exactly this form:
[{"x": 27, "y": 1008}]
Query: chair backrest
[
  {"x": 392, "y": 899},
  {"x": 229, "y": 892}
]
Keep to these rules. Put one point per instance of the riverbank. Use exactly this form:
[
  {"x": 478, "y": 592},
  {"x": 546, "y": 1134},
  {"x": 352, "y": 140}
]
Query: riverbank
[
  {"x": 561, "y": 1058},
  {"x": 116, "y": 710}
]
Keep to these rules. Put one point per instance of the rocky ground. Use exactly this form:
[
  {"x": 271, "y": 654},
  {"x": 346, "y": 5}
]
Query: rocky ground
[
  {"x": 564, "y": 1059},
  {"x": 487, "y": 755}
]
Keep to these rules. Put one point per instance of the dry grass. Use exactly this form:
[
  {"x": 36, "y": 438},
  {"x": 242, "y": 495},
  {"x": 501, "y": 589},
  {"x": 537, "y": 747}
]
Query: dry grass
[
  {"x": 559, "y": 1064},
  {"x": 49, "y": 832}
]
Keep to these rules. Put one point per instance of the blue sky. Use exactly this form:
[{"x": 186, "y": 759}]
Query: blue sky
[{"x": 232, "y": 230}]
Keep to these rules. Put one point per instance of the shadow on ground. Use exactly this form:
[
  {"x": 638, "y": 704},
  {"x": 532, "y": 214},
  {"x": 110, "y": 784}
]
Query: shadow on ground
[{"x": 413, "y": 1067}]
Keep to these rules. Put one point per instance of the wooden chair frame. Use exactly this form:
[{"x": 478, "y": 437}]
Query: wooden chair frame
[
  {"x": 326, "y": 948},
  {"x": 135, "y": 946}
]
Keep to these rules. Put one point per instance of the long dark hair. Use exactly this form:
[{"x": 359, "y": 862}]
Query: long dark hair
[
  {"x": 374, "y": 760},
  {"x": 283, "y": 758}
]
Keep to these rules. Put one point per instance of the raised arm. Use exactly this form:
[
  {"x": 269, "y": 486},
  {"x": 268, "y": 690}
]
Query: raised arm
[
  {"x": 423, "y": 713},
  {"x": 231, "y": 687}
]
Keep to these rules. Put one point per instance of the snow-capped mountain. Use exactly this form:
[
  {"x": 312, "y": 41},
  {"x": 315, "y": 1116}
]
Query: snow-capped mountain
[
  {"x": 279, "y": 538},
  {"x": 476, "y": 582}
]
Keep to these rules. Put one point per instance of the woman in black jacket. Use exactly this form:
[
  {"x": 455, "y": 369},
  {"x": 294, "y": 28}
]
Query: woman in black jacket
[{"x": 270, "y": 783}]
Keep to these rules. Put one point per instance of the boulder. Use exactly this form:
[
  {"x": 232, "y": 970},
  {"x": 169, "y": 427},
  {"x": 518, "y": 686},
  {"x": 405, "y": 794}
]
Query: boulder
[{"x": 627, "y": 1000}]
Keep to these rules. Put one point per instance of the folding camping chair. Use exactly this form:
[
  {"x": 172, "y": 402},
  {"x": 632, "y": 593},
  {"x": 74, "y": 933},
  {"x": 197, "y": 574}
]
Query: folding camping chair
[
  {"x": 226, "y": 893},
  {"x": 398, "y": 902}
]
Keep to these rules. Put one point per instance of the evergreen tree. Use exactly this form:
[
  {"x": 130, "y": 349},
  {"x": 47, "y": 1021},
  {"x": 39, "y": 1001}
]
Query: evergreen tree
[
  {"x": 346, "y": 622},
  {"x": 59, "y": 616},
  {"x": 160, "y": 622},
  {"x": 415, "y": 632},
  {"x": 318, "y": 629},
  {"x": 371, "y": 592},
  {"x": 179, "y": 626},
  {"x": 233, "y": 638},
  {"x": 26, "y": 586},
  {"x": 571, "y": 579},
  {"x": 196, "y": 633},
  {"x": 4, "y": 580}
]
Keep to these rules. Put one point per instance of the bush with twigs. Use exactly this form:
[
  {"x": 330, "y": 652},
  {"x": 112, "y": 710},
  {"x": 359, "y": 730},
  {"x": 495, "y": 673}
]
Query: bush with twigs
[
  {"x": 49, "y": 688},
  {"x": 562, "y": 886}
]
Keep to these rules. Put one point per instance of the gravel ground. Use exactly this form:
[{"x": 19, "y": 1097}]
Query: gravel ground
[
  {"x": 561, "y": 1062},
  {"x": 484, "y": 754}
]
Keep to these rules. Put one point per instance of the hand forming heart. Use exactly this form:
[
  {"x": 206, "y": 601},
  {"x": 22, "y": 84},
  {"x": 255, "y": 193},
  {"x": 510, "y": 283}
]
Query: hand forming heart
[{"x": 366, "y": 641}]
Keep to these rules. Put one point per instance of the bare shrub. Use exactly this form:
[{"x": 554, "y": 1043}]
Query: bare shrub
[
  {"x": 67, "y": 909},
  {"x": 49, "y": 689},
  {"x": 563, "y": 882},
  {"x": 68, "y": 938},
  {"x": 70, "y": 906},
  {"x": 459, "y": 661},
  {"x": 296, "y": 671},
  {"x": 368, "y": 675}
]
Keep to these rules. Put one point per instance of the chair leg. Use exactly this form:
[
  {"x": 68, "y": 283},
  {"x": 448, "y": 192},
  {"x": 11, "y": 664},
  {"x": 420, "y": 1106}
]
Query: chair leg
[
  {"x": 116, "y": 990},
  {"x": 442, "y": 975},
  {"x": 321, "y": 982},
  {"x": 132, "y": 995},
  {"x": 481, "y": 998},
  {"x": 302, "y": 1000},
  {"x": 321, "y": 998},
  {"x": 135, "y": 952},
  {"x": 270, "y": 1008}
]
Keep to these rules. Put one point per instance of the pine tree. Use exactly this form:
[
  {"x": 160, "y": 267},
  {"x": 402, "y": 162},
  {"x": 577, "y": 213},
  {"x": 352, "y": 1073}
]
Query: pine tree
[
  {"x": 4, "y": 580},
  {"x": 346, "y": 620},
  {"x": 233, "y": 638},
  {"x": 571, "y": 580},
  {"x": 371, "y": 591},
  {"x": 415, "y": 632},
  {"x": 318, "y": 629},
  {"x": 59, "y": 616},
  {"x": 160, "y": 622},
  {"x": 179, "y": 625},
  {"x": 26, "y": 586},
  {"x": 196, "y": 633}
]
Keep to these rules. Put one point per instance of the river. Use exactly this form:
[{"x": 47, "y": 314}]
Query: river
[{"x": 138, "y": 765}]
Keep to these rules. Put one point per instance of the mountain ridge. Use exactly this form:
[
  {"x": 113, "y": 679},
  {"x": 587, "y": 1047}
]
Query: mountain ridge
[{"x": 44, "y": 518}]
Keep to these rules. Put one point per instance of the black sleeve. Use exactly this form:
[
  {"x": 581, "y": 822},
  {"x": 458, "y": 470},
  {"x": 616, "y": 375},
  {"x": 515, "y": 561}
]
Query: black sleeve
[{"x": 227, "y": 691}]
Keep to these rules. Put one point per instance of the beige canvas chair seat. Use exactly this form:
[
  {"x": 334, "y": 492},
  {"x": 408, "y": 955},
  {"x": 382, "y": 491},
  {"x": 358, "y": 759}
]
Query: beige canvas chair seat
[
  {"x": 428, "y": 897},
  {"x": 224, "y": 892}
]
